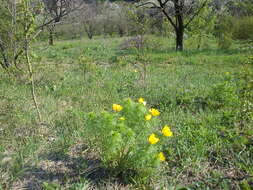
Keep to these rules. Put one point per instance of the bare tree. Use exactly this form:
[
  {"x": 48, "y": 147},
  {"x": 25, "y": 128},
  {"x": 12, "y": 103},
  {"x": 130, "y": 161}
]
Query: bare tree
[
  {"x": 179, "y": 13},
  {"x": 88, "y": 18},
  {"x": 55, "y": 10}
]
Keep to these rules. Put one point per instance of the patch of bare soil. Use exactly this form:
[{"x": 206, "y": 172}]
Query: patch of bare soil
[{"x": 65, "y": 170}]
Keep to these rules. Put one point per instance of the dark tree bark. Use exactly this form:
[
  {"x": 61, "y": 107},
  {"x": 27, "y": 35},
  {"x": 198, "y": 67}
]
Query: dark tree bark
[
  {"x": 51, "y": 35},
  {"x": 179, "y": 29},
  {"x": 180, "y": 40},
  {"x": 89, "y": 29},
  {"x": 5, "y": 64},
  {"x": 121, "y": 31}
]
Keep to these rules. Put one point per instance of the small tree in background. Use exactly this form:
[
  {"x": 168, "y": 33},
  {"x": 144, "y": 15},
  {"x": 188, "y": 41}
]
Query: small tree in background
[
  {"x": 55, "y": 10},
  {"x": 202, "y": 27},
  {"x": 179, "y": 13}
]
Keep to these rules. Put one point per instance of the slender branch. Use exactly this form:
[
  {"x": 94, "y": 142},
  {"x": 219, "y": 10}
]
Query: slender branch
[
  {"x": 162, "y": 7},
  {"x": 32, "y": 83},
  {"x": 165, "y": 3},
  {"x": 196, "y": 14},
  {"x": 27, "y": 58},
  {"x": 148, "y": 3}
]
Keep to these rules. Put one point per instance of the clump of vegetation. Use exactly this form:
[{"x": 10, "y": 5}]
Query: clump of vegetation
[
  {"x": 130, "y": 141},
  {"x": 243, "y": 28}
]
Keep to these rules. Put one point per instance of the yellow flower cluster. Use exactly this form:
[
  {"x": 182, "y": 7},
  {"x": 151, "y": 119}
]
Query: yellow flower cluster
[
  {"x": 153, "y": 140},
  {"x": 117, "y": 107}
]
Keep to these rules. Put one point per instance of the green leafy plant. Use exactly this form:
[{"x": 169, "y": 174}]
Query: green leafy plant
[
  {"x": 243, "y": 28},
  {"x": 223, "y": 32},
  {"x": 201, "y": 28},
  {"x": 128, "y": 140}
]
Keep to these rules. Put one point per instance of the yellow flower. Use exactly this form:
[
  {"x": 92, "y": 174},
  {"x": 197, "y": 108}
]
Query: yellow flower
[
  {"x": 142, "y": 101},
  {"x": 148, "y": 117},
  {"x": 154, "y": 112},
  {"x": 135, "y": 70},
  {"x": 153, "y": 139},
  {"x": 161, "y": 157},
  {"x": 227, "y": 73},
  {"x": 122, "y": 118},
  {"x": 166, "y": 131},
  {"x": 117, "y": 107}
]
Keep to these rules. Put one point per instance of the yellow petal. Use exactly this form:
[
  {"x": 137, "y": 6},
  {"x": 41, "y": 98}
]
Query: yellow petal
[
  {"x": 161, "y": 157},
  {"x": 166, "y": 131},
  {"x": 154, "y": 112},
  {"x": 153, "y": 139},
  {"x": 142, "y": 101},
  {"x": 148, "y": 117},
  {"x": 117, "y": 107}
]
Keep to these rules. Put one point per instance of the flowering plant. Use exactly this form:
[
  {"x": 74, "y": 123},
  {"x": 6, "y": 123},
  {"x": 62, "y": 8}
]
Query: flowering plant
[{"x": 129, "y": 139}]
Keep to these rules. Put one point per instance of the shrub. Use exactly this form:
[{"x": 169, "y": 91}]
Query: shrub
[
  {"x": 243, "y": 28},
  {"x": 223, "y": 95},
  {"x": 137, "y": 42},
  {"x": 223, "y": 31},
  {"x": 127, "y": 140}
]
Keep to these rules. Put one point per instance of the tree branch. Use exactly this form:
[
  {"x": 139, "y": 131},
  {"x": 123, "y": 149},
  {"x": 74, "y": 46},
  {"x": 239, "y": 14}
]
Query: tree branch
[
  {"x": 147, "y": 3},
  {"x": 162, "y": 7},
  {"x": 196, "y": 14}
]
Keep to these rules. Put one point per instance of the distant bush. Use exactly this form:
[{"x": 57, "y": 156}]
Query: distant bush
[
  {"x": 243, "y": 28},
  {"x": 137, "y": 42},
  {"x": 223, "y": 32}
]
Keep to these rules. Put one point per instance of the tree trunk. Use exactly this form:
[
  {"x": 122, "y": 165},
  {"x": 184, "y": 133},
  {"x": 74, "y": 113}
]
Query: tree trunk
[
  {"x": 179, "y": 25},
  {"x": 89, "y": 30},
  {"x": 180, "y": 39},
  {"x": 90, "y": 35},
  {"x": 5, "y": 64},
  {"x": 121, "y": 31},
  {"x": 51, "y": 35}
]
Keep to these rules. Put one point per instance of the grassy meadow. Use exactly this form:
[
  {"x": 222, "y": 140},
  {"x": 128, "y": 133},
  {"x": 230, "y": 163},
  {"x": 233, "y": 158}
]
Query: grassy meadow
[{"x": 206, "y": 96}]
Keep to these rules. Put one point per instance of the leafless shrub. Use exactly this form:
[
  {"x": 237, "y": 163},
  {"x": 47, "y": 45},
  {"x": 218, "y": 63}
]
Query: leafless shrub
[{"x": 137, "y": 42}]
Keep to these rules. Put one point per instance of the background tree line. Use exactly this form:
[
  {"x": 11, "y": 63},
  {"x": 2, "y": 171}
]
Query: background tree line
[{"x": 224, "y": 20}]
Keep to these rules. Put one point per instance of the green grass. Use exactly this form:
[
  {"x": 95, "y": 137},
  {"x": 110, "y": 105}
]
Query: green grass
[{"x": 208, "y": 110}]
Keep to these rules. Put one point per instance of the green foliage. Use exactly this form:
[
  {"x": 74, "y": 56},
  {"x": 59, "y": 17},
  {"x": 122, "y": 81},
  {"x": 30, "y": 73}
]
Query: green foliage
[
  {"x": 140, "y": 21},
  {"x": 50, "y": 186},
  {"x": 224, "y": 94},
  {"x": 246, "y": 7},
  {"x": 122, "y": 139},
  {"x": 17, "y": 25},
  {"x": 243, "y": 28},
  {"x": 201, "y": 28},
  {"x": 223, "y": 31}
]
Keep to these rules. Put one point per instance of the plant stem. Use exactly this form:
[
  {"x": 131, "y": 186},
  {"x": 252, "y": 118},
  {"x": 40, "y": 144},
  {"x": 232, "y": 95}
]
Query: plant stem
[
  {"x": 27, "y": 58},
  {"x": 32, "y": 81}
]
